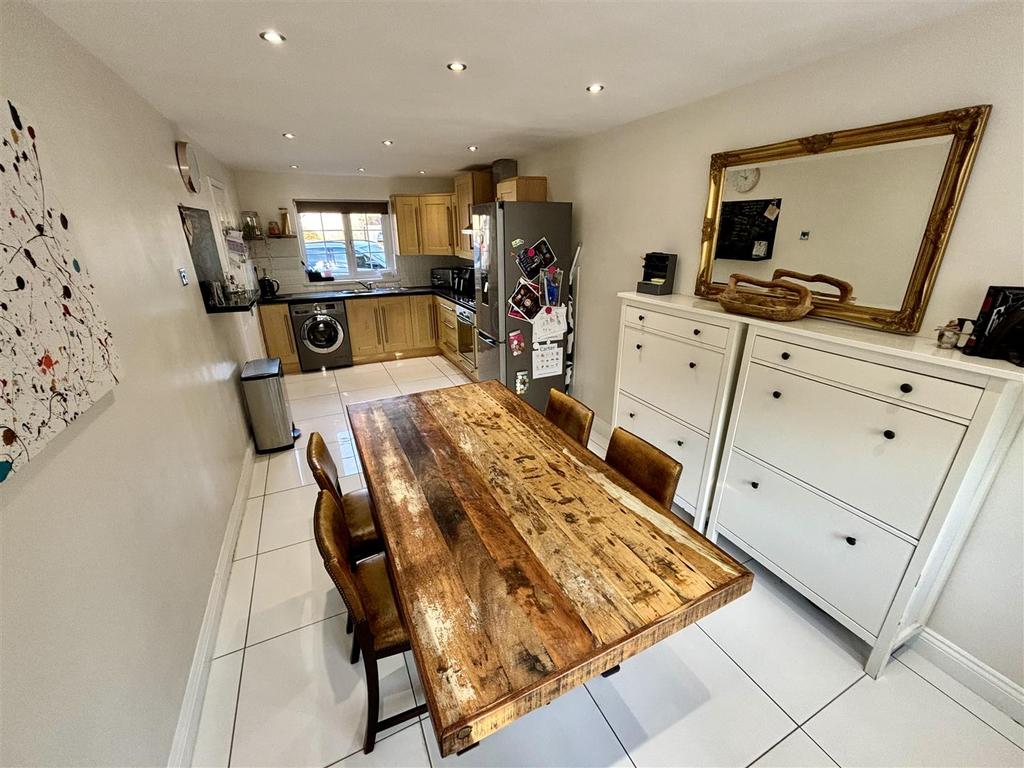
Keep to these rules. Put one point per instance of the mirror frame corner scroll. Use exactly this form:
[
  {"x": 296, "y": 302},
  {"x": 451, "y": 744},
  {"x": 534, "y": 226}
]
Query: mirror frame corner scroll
[{"x": 965, "y": 125}]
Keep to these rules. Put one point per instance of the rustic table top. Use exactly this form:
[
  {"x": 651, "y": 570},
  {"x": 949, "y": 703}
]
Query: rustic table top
[{"x": 523, "y": 564}]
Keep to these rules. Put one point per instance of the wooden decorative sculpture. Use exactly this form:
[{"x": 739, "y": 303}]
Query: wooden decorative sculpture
[
  {"x": 782, "y": 300},
  {"x": 844, "y": 288}
]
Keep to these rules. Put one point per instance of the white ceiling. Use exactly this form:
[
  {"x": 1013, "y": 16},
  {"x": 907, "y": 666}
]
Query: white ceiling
[{"x": 354, "y": 73}]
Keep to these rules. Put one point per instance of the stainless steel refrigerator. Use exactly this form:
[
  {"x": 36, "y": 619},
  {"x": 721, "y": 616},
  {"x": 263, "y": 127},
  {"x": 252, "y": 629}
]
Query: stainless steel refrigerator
[{"x": 502, "y": 231}]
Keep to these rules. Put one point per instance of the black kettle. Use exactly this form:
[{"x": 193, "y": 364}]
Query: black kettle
[{"x": 268, "y": 287}]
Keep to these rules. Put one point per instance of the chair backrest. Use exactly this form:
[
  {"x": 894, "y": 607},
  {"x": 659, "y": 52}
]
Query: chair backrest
[
  {"x": 322, "y": 465},
  {"x": 333, "y": 542},
  {"x": 653, "y": 470},
  {"x": 570, "y": 415}
]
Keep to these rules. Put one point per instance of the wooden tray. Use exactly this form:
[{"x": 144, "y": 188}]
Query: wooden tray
[{"x": 784, "y": 300}]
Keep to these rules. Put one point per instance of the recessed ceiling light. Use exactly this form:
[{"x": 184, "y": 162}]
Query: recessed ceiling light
[
  {"x": 422, "y": 172},
  {"x": 457, "y": 66},
  {"x": 387, "y": 142},
  {"x": 472, "y": 147},
  {"x": 272, "y": 36},
  {"x": 294, "y": 166},
  {"x": 362, "y": 170},
  {"x": 595, "y": 88},
  {"x": 288, "y": 135}
]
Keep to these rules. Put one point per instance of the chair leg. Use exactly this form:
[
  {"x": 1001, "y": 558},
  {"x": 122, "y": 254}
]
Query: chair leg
[
  {"x": 355, "y": 649},
  {"x": 372, "y": 702},
  {"x": 348, "y": 624}
]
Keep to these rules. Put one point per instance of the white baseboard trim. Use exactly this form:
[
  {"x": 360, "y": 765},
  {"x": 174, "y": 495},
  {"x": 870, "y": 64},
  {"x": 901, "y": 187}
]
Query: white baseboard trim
[
  {"x": 1000, "y": 691},
  {"x": 195, "y": 689}
]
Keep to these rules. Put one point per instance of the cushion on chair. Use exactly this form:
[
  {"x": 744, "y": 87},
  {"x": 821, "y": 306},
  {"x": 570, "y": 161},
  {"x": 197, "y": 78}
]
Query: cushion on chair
[
  {"x": 359, "y": 517},
  {"x": 378, "y": 601}
]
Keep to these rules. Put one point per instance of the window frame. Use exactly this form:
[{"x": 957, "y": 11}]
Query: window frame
[{"x": 354, "y": 273}]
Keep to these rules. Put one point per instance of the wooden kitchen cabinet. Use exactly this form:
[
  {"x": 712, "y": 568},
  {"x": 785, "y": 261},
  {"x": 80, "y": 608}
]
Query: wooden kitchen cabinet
[
  {"x": 470, "y": 189},
  {"x": 364, "y": 331},
  {"x": 278, "y": 337},
  {"x": 436, "y": 235},
  {"x": 406, "y": 210},
  {"x": 523, "y": 189},
  {"x": 424, "y": 321},
  {"x": 396, "y": 323},
  {"x": 447, "y": 329}
]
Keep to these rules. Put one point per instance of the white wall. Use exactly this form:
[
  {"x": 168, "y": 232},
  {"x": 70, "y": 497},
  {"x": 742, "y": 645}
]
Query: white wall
[
  {"x": 110, "y": 535},
  {"x": 266, "y": 192},
  {"x": 643, "y": 187}
]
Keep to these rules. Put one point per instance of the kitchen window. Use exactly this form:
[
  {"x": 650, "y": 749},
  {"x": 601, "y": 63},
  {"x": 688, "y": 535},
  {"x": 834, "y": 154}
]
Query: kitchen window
[{"x": 345, "y": 239}]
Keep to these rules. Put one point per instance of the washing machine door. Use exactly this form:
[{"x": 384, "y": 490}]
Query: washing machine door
[{"x": 322, "y": 334}]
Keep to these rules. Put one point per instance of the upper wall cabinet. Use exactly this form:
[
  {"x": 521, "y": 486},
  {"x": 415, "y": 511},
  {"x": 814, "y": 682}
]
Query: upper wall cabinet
[
  {"x": 470, "y": 189},
  {"x": 424, "y": 224}
]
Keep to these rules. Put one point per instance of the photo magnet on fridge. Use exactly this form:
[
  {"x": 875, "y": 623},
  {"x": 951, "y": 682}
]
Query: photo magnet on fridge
[
  {"x": 535, "y": 258},
  {"x": 526, "y": 299},
  {"x": 516, "y": 343},
  {"x": 522, "y": 382},
  {"x": 551, "y": 286}
]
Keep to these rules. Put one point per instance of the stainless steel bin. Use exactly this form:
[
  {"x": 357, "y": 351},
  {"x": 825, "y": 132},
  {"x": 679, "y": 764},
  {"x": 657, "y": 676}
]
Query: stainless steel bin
[{"x": 269, "y": 414}]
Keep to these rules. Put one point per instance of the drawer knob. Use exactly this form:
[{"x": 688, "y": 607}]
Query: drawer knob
[
  {"x": 640, "y": 318},
  {"x": 632, "y": 415},
  {"x": 755, "y": 485},
  {"x": 693, "y": 365},
  {"x": 639, "y": 346},
  {"x": 679, "y": 443},
  {"x": 785, "y": 355},
  {"x": 906, "y": 388},
  {"x": 696, "y": 331},
  {"x": 776, "y": 394},
  {"x": 888, "y": 434},
  {"x": 851, "y": 541}
]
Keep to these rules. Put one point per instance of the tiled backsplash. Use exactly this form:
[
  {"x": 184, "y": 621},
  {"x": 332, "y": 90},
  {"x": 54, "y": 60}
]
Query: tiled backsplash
[{"x": 282, "y": 260}]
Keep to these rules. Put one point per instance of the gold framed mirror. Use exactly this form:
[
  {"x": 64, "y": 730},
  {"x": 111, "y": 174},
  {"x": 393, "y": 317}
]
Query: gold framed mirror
[{"x": 872, "y": 207}]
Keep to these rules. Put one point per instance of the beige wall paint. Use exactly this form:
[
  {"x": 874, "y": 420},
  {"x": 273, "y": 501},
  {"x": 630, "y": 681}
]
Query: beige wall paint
[
  {"x": 642, "y": 187},
  {"x": 110, "y": 536}
]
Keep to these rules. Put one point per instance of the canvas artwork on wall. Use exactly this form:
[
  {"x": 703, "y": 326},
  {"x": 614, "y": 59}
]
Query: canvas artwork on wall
[{"x": 56, "y": 353}]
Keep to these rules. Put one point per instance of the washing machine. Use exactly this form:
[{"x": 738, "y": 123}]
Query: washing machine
[{"x": 321, "y": 335}]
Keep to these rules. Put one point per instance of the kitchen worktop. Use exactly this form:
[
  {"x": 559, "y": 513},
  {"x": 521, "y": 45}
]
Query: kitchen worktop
[{"x": 346, "y": 295}]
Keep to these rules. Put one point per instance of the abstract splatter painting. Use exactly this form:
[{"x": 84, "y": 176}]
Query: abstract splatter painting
[{"x": 56, "y": 353}]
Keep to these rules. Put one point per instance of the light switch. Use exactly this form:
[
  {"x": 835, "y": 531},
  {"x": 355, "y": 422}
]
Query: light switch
[{"x": 183, "y": 275}]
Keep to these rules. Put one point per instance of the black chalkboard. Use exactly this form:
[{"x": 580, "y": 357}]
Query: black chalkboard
[
  {"x": 745, "y": 232},
  {"x": 202, "y": 243}
]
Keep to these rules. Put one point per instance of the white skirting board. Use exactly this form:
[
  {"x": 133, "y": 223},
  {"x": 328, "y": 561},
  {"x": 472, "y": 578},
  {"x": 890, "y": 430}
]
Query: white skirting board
[
  {"x": 997, "y": 689},
  {"x": 195, "y": 689}
]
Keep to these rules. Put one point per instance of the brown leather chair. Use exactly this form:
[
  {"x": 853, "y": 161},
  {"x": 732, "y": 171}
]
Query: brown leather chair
[
  {"x": 570, "y": 415},
  {"x": 652, "y": 469},
  {"x": 368, "y": 595},
  {"x": 356, "y": 506}
]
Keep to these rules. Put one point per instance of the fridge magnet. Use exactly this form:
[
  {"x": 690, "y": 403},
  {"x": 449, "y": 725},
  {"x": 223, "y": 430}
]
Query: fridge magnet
[
  {"x": 522, "y": 382},
  {"x": 518, "y": 242},
  {"x": 57, "y": 354},
  {"x": 550, "y": 324},
  {"x": 535, "y": 258},
  {"x": 526, "y": 299},
  {"x": 516, "y": 343},
  {"x": 547, "y": 360},
  {"x": 515, "y": 314},
  {"x": 551, "y": 286}
]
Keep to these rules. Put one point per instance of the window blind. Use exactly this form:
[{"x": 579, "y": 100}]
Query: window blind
[{"x": 341, "y": 206}]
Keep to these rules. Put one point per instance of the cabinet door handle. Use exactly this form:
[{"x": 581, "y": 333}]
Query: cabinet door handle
[
  {"x": 889, "y": 434},
  {"x": 632, "y": 415},
  {"x": 693, "y": 365},
  {"x": 641, "y": 318},
  {"x": 384, "y": 324},
  {"x": 696, "y": 331},
  {"x": 755, "y": 485},
  {"x": 776, "y": 394},
  {"x": 785, "y": 355},
  {"x": 851, "y": 541},
  {"x": 679, "y": 443},
  {"x": 289, "y": 334},
  {"x": 906, "y": 388},
  {"x": 376, "y": 322},
  {"x": 639, "y": 346}
]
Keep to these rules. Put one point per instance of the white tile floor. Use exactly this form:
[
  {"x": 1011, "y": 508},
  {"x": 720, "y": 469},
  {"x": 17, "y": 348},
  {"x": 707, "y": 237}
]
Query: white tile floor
[{"x": 768, "y": 680}]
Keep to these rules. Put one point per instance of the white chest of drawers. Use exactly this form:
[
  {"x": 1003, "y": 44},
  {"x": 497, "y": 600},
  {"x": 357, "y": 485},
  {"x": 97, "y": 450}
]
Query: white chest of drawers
[
  {"x": 851, "y": 463},
  {"x": 673, "y": 381}
]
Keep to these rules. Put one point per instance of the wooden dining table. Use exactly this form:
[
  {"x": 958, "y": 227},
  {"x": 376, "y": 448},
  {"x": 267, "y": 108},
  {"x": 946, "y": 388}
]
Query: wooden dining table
[{"x": 523, "y": 565}]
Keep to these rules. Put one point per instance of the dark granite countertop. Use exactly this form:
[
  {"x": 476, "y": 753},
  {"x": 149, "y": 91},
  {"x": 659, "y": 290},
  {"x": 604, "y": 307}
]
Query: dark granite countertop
[{"x": 349, "y": 295}]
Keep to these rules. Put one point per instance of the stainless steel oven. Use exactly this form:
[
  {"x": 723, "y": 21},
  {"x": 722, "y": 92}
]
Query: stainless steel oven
[{"x": 467, "y": 335}]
